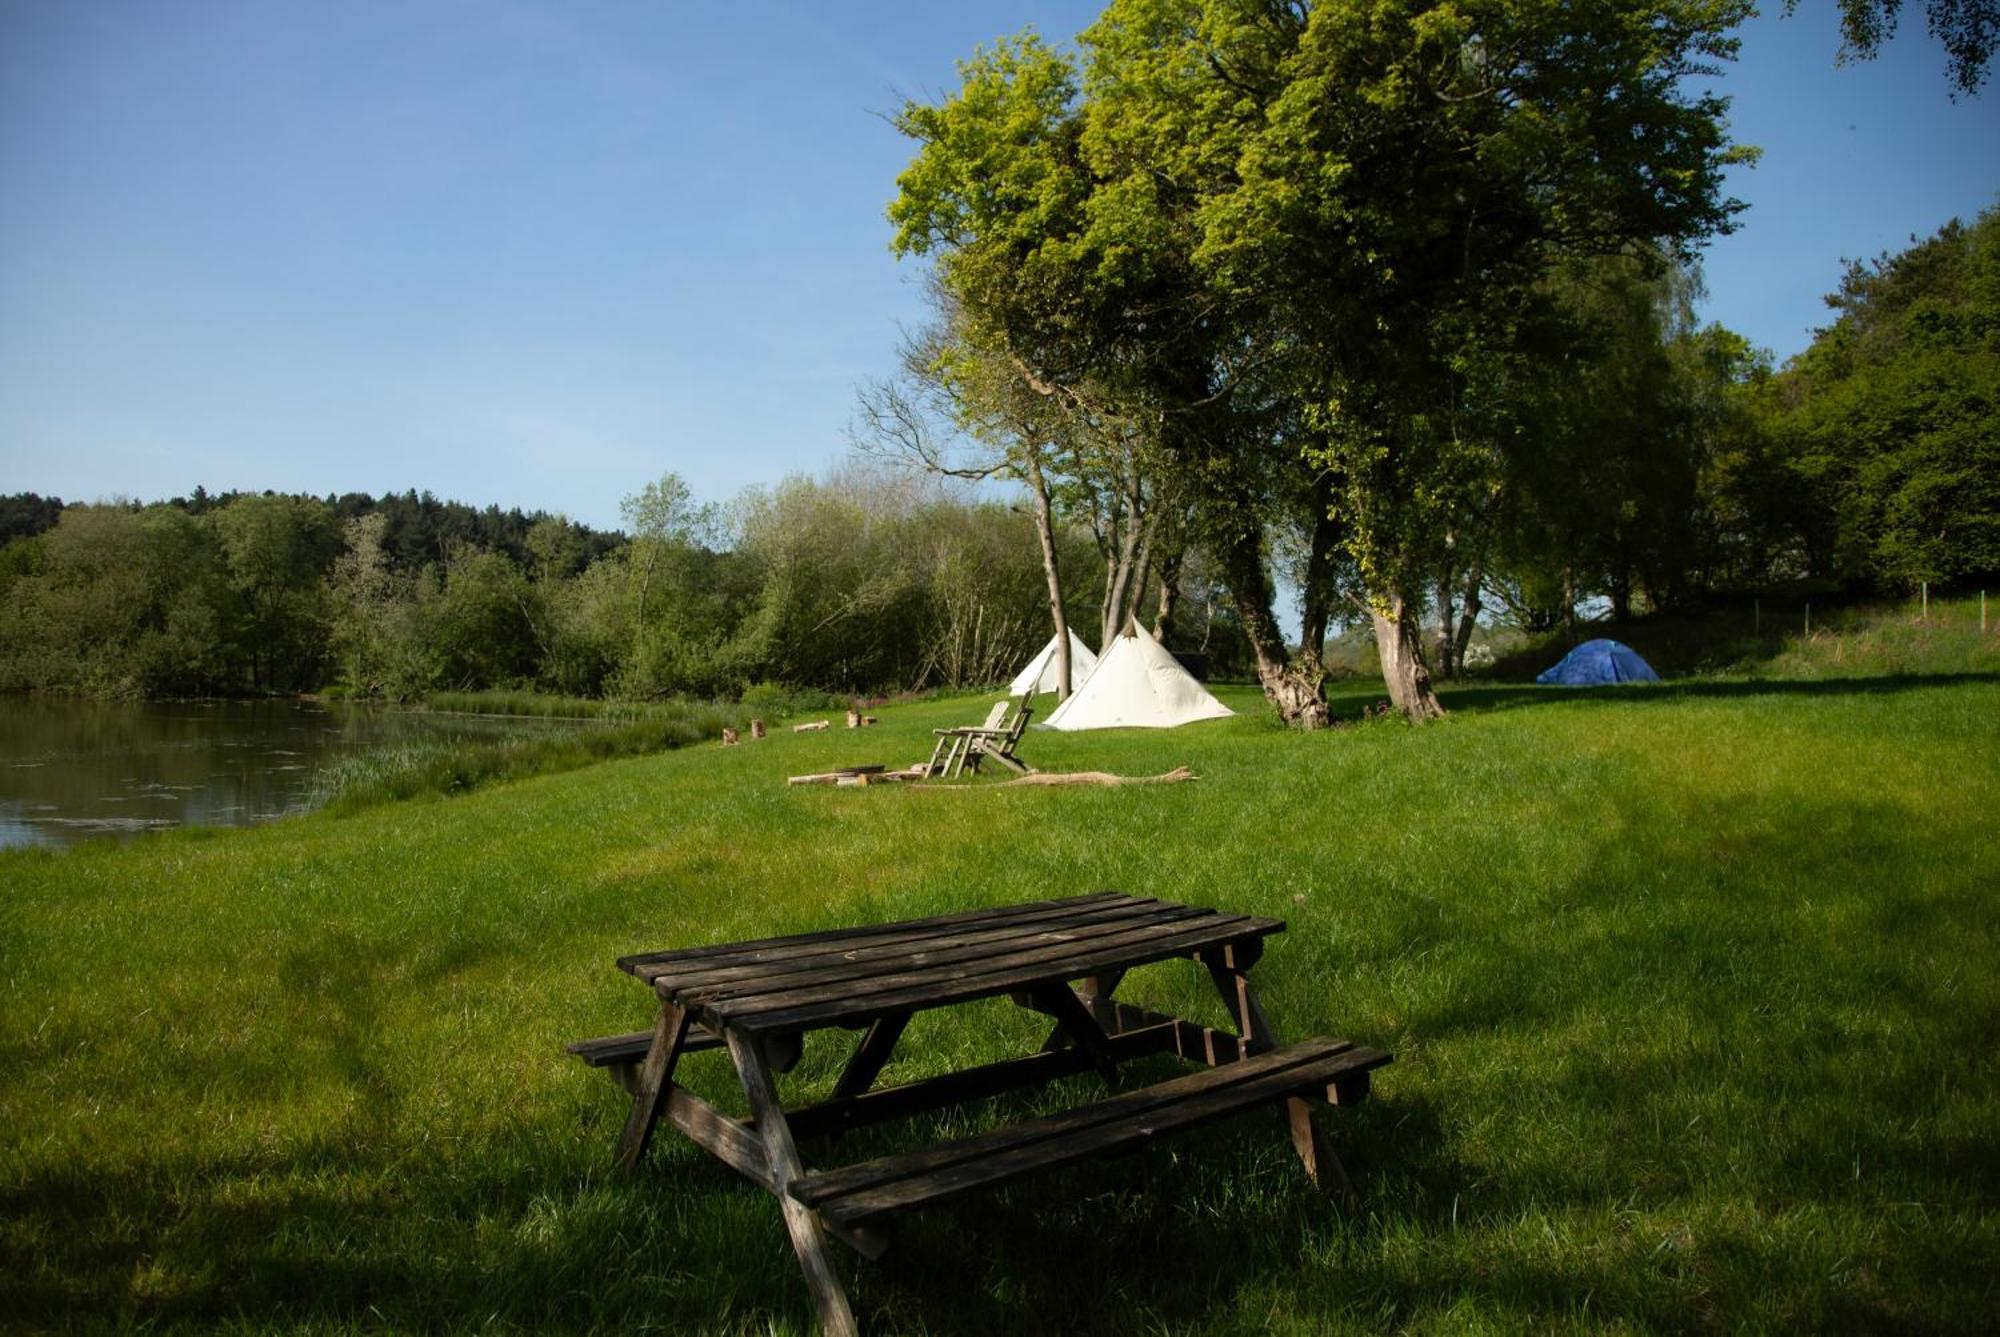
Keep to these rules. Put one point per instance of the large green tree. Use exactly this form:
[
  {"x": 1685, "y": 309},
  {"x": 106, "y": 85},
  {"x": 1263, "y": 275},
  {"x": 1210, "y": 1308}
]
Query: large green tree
[
  {"x": 1242, "y": 205},
  {"x": 1892, "y": 417}
]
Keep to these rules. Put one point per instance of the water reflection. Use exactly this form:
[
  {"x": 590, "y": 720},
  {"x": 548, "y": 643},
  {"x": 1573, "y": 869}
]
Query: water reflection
[{"x": 72, "y": 770}]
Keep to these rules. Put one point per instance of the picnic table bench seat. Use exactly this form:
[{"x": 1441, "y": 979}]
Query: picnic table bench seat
[
  {"x": 629, "y": 1050},
  {"x": 852, "y": 1194},
  {"x": 1061, "y": 958}
]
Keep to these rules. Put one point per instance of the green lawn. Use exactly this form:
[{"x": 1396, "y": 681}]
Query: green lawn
[{"x": 1694, "y": 995}]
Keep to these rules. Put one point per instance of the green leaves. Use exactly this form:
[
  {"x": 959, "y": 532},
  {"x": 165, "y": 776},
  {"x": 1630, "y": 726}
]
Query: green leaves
[{"x": 1892, "y": 417}]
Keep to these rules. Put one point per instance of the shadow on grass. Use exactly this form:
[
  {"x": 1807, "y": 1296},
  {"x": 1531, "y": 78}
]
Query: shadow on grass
[
  {"x": 1519, "y": 1166},
  {"x": 1479, "y": 698}
]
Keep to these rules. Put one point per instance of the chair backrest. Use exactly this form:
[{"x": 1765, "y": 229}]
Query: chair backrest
[
  {"x": 995, "y": 716},
  {"x": 1019, "y": 724}
]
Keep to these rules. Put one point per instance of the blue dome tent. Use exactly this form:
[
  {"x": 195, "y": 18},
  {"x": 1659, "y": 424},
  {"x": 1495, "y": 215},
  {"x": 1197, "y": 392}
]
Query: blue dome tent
[{"x": 1596, "y": 663}]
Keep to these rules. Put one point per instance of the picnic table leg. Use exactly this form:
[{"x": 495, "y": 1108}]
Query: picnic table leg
[
  {"x": 801, "y": 1222},
  {"x": 1230, "y": 969},
  {"x": 649, "y": 1093}
]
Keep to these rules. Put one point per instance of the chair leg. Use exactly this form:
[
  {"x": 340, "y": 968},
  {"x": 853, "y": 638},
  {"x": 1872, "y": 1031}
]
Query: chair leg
[{"x": 1011, "y": 762}]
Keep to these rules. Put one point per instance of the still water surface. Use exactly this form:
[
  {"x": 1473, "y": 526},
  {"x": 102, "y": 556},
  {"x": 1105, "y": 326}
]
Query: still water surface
[{"x": 74, "y": 770}]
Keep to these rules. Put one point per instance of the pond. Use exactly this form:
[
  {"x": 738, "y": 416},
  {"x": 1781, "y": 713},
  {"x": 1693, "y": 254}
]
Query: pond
[{"x": 76, "y": 770}]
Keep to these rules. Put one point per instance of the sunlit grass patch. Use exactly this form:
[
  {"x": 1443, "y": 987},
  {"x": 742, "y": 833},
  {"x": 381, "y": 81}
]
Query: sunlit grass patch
[{"x": 1692, "y": 991}]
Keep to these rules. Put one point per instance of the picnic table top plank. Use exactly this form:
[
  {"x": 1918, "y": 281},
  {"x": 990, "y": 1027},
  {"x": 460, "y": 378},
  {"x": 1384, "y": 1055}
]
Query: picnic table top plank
[
  {"x": 918, "y": 1177},
  {"x": 765, "y": 948},
  {"x": 933, "y": 953},
  {"x": 918, "y": 969},
  {"x": 711, "y": 974},
  {"x": 957, "y": 984}
]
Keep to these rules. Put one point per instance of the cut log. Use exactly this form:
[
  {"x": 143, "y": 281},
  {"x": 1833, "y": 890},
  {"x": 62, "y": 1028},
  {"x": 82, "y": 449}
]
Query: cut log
[
  {"x": 854, "y": 719},
  {"x": 730, "y": 737},
  {"x": 756, "y": 728},
  {"x": 813, "y": 727}
]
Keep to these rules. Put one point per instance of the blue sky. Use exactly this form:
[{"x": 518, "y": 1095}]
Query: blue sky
[{"x": 536, "y": 254}]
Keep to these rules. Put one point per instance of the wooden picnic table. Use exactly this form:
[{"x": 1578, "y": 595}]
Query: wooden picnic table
[{"x": 759, "y": 999}]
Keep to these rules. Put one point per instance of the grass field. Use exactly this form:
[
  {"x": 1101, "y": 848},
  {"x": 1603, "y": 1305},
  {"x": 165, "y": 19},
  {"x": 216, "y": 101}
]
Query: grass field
[{"x": 1694, "y": 994}]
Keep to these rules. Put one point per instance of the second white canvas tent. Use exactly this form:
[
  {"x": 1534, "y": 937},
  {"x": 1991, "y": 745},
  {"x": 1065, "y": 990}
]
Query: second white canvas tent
[
  {"x": 1042, "y": 671},
  {"x": 1138, "y": 684}
]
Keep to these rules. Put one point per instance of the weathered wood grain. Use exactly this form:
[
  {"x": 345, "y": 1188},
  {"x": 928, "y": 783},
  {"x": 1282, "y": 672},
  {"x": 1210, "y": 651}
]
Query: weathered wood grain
[{"x": 915, "y": 1178}]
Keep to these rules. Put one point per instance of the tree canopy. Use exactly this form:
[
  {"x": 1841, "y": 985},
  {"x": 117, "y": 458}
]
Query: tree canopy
[{"x": 1282, "y": 235}]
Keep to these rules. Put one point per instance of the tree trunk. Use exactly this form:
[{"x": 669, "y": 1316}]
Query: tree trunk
[
  {"x": 1621, "y": 597},
  {"x": 1447, "y": 630},
  {"x": 1293, "y": 688},
  {"x": 1468, "y": 617},
  {"x": 1400, "y": 642},
  {"x": 1121, "y": 562},
  {"x": 1045, "y": 530},
  {"x": 1135, "y": 593},
  {"x": 1170, "y": 593},
  {"x": 1316, "y": 598},
  {"x": 1569, "y": 602}
]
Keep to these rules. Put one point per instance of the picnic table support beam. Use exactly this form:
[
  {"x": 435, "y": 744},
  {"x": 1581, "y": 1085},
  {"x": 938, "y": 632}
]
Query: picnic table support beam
[
  {"x": 871, "y": 1055},
  {"x": 1229, "y": 967},
  {"x": 968, "y": 1084},
  {"x": 655, "y": 1075},
  {"x": 781, "y": 1155},
  {"x": 1074, "y": 1019},
  {"x": 1094, "y": 992}
]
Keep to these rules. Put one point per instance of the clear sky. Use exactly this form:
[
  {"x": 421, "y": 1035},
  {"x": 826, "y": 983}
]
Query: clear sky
[{"x": 537, "y": 253}]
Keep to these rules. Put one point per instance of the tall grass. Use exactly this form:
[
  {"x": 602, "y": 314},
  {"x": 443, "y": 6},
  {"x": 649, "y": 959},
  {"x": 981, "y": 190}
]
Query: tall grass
[{"x": 441, "y": 768}]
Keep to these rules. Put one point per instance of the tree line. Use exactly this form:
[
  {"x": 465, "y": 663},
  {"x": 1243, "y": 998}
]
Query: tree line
[
  {"x": 858, "y": 583},
  {"x": 1654, "y": 463},
  {"x": 1396, "y": 300}
]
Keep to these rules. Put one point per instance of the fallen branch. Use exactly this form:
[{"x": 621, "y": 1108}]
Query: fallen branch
[
  {"x": 857, "y": 775},
  {"x": 814, "y": 727},
  {"x": 1174, "y": 776}
]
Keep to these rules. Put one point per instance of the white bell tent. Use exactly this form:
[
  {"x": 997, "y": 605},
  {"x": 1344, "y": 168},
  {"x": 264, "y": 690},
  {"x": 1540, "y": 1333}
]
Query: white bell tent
[
  {"x": 1043, "y": 671},
  {"x": 1138, "y": 684}
]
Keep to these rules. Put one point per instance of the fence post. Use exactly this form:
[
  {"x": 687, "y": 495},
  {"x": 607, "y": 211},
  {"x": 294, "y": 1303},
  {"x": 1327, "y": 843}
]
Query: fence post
[
  {"x": 1927, "y": 600},
  {"x": 1808, "y": 619}
]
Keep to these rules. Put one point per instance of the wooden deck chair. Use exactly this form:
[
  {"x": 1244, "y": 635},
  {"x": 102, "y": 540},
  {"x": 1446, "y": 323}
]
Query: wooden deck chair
[
  {"x": 963, "y": 746},
  {"x": 999, "y": 743}
]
